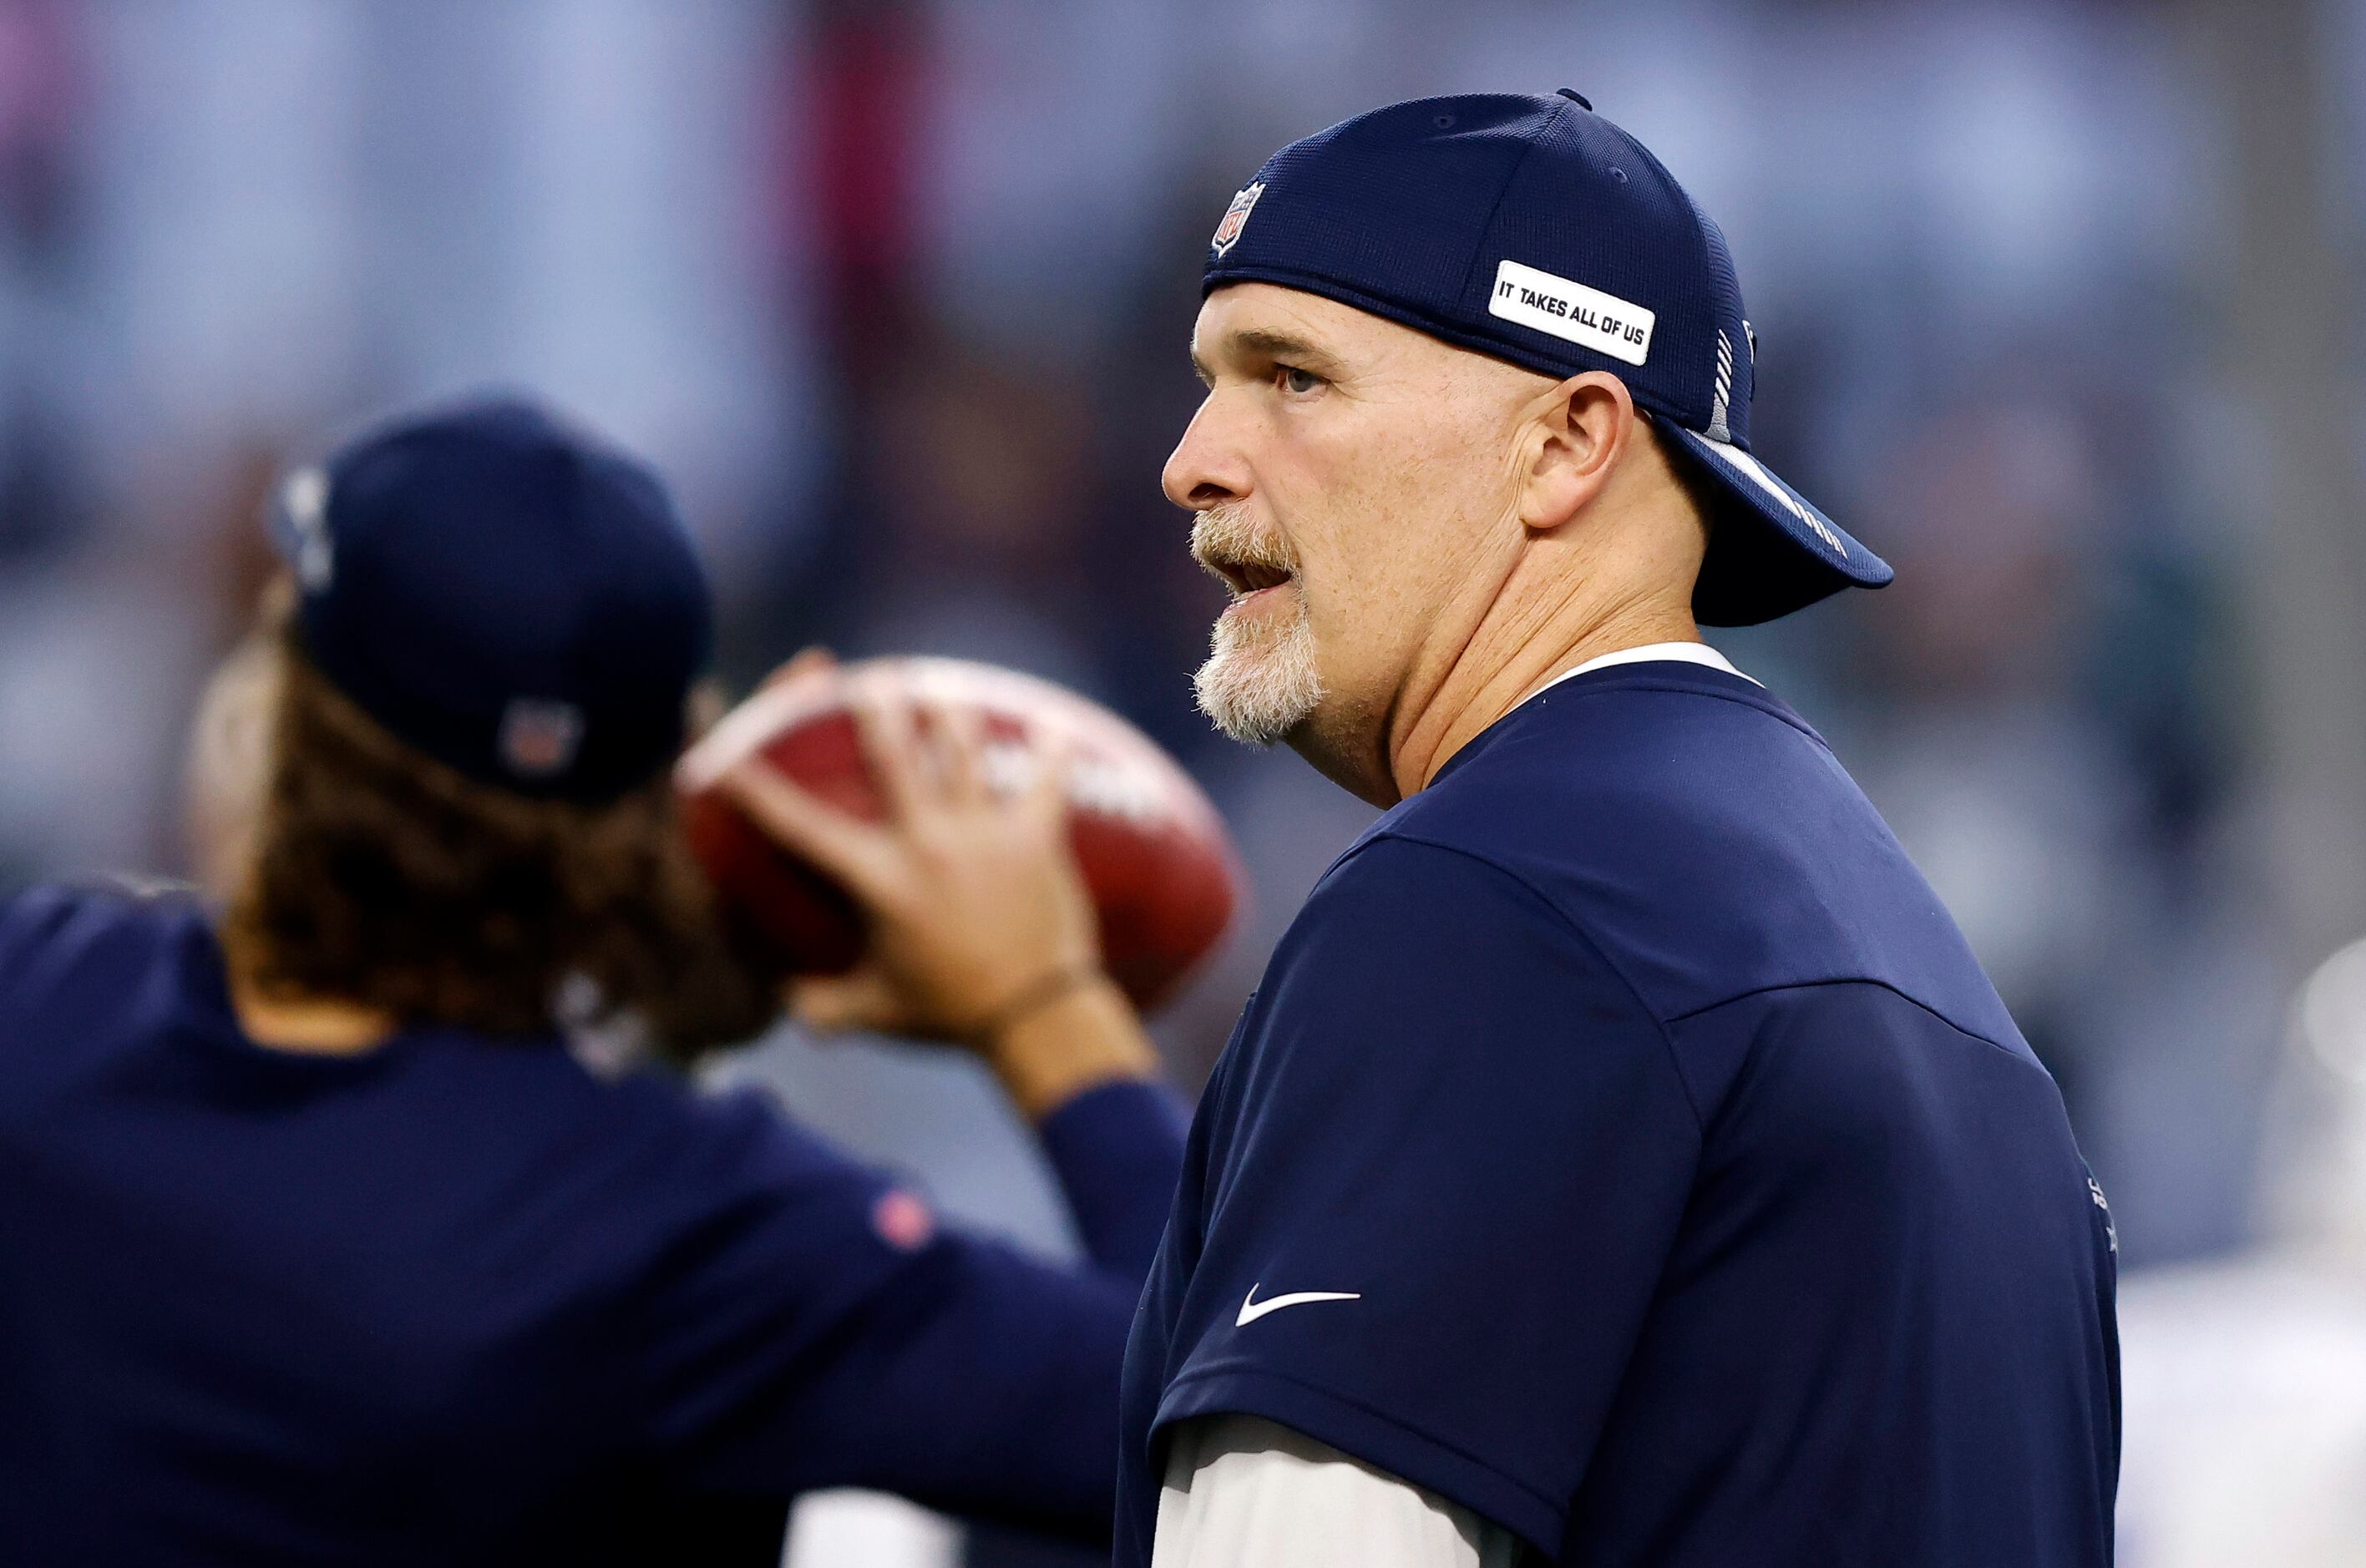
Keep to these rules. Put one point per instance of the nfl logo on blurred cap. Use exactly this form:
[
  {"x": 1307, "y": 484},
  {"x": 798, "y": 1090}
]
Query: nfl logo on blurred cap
[
  {"x": 539, "y": 740},
  {"x": 1236, "y": 216}
]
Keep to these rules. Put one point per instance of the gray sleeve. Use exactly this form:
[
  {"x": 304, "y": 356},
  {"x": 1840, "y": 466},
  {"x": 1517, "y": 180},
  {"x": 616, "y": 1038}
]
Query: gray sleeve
[{"x": 1241, "y": 1492}]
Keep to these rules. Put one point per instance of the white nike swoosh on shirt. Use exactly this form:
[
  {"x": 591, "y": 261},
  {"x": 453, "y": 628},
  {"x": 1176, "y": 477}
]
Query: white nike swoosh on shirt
[{"x": 1251, "y": 1309}]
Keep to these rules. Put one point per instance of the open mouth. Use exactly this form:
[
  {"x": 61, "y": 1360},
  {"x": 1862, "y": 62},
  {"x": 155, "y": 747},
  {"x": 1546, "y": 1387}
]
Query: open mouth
[{"x": 1247, "y": 578}]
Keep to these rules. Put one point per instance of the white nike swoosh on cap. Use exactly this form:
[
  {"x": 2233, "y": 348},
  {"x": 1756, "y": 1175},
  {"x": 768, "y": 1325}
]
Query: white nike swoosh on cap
[{"x": 1251, "y": 1309}]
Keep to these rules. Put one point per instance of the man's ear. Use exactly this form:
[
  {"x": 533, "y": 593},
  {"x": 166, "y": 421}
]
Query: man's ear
[
  {"x": 230, "y": 764},
  {"x": 1575, "y": 436}
]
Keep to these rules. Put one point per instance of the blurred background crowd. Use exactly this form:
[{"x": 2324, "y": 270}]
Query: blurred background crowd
[{"x": 2058, "y": 307}]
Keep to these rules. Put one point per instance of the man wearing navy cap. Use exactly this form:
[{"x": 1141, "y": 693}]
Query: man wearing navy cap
[
  {"x": 317, "y": 1243},
  {"x": 1623, "y": 1161}
]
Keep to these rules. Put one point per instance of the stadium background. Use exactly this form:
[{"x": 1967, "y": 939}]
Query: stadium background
[{"x": 2059, "y": 306}]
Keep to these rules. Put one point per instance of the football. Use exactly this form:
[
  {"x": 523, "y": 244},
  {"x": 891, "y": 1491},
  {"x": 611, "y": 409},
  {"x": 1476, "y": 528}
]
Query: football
[{"x": 1161, "y": 867}]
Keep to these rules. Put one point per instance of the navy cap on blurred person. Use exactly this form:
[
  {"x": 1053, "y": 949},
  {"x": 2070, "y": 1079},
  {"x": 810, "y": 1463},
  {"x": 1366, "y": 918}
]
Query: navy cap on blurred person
[
  {"x": 502, "y": 593},
  {"x": 1533, "y": 230}
]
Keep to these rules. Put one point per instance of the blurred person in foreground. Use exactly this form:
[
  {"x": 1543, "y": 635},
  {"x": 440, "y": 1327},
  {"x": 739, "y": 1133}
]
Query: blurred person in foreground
[
  {"x": 317, "y": 1243},
  {"x": 1624, "y": 1160}
]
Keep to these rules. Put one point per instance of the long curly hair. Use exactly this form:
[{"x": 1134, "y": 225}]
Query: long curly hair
[{"x": 382, "y": 877}]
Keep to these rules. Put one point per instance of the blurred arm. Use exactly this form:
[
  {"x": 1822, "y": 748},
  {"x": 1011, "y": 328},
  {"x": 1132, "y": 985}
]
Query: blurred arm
[
  {"x": 808, "y": 1326},
  {"x": 982, "y": 932},
  {"x": 986, "y": 1386},
  {"x": 1117, "y": 1151},
  {"x": 1082, "y": 1033},
  {"x": 969, "y": 1378}
]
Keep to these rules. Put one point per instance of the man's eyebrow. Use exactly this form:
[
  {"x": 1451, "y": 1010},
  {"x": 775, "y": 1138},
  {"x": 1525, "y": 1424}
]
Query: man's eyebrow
[
  {"x": 1280, "y": 345},
  {"x": 1266, "y": 343}
]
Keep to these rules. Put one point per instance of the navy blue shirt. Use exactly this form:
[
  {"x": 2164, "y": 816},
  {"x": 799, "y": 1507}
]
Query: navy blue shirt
[
  {"x": 459, "y": 1301},
  {"x": 1659, "y": 1175}
]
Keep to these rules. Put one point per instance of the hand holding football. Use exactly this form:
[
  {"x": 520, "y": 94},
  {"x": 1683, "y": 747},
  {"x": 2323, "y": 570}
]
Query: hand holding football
[{"x": 1154, "y": 856}]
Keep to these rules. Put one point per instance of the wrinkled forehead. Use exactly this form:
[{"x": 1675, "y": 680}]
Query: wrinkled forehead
[
  {"x": 1245, "y": 327},
  {"x": 1252, "y": 322}
]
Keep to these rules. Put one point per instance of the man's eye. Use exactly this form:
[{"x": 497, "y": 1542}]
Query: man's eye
[{"x": 1293, "y": 379}]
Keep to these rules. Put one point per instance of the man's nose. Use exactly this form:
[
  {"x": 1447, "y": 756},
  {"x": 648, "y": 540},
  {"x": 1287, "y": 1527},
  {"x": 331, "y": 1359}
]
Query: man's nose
[{"x": 1207, "y": 468}]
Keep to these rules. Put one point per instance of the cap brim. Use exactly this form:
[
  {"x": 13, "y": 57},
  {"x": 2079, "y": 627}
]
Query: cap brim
[{"x": 1771, "y": 551}]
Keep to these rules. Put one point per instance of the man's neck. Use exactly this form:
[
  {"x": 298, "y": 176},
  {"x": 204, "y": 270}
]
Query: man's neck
[
  {"x": 1515, "y": 651},
  {"x": 309, "y": 1026}
]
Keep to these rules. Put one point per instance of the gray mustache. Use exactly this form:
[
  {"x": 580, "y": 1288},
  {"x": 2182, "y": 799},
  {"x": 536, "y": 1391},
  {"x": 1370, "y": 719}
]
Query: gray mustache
[{"x": 1225, "y": 534}]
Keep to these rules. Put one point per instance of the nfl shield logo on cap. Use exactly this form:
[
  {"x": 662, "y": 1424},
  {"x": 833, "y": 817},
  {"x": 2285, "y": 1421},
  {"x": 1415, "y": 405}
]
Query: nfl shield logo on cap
[
  {"x": 539, "y": 740},
  {"x": 1236, "y": 216}
]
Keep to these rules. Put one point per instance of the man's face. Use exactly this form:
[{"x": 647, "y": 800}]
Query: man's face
[{"x": 1355, "y": 486}]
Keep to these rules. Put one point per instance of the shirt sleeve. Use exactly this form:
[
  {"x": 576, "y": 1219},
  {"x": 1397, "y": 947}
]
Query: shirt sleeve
[
  {"x": 1444, "y": 1177},
  {"x": 1117, "y": 1152},
  {"x": 810, "y": 1325},
  {"x": 1242, "y": 1493},
  {"x": 62, "y": 942},
  {"x": 28, "y": 921}
]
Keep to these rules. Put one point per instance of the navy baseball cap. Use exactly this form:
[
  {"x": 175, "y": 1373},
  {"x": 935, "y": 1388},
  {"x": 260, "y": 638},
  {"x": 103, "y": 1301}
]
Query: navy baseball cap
[
  {"x": 502, "y": 593},
  {"x": 1533, "y": 230}
]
